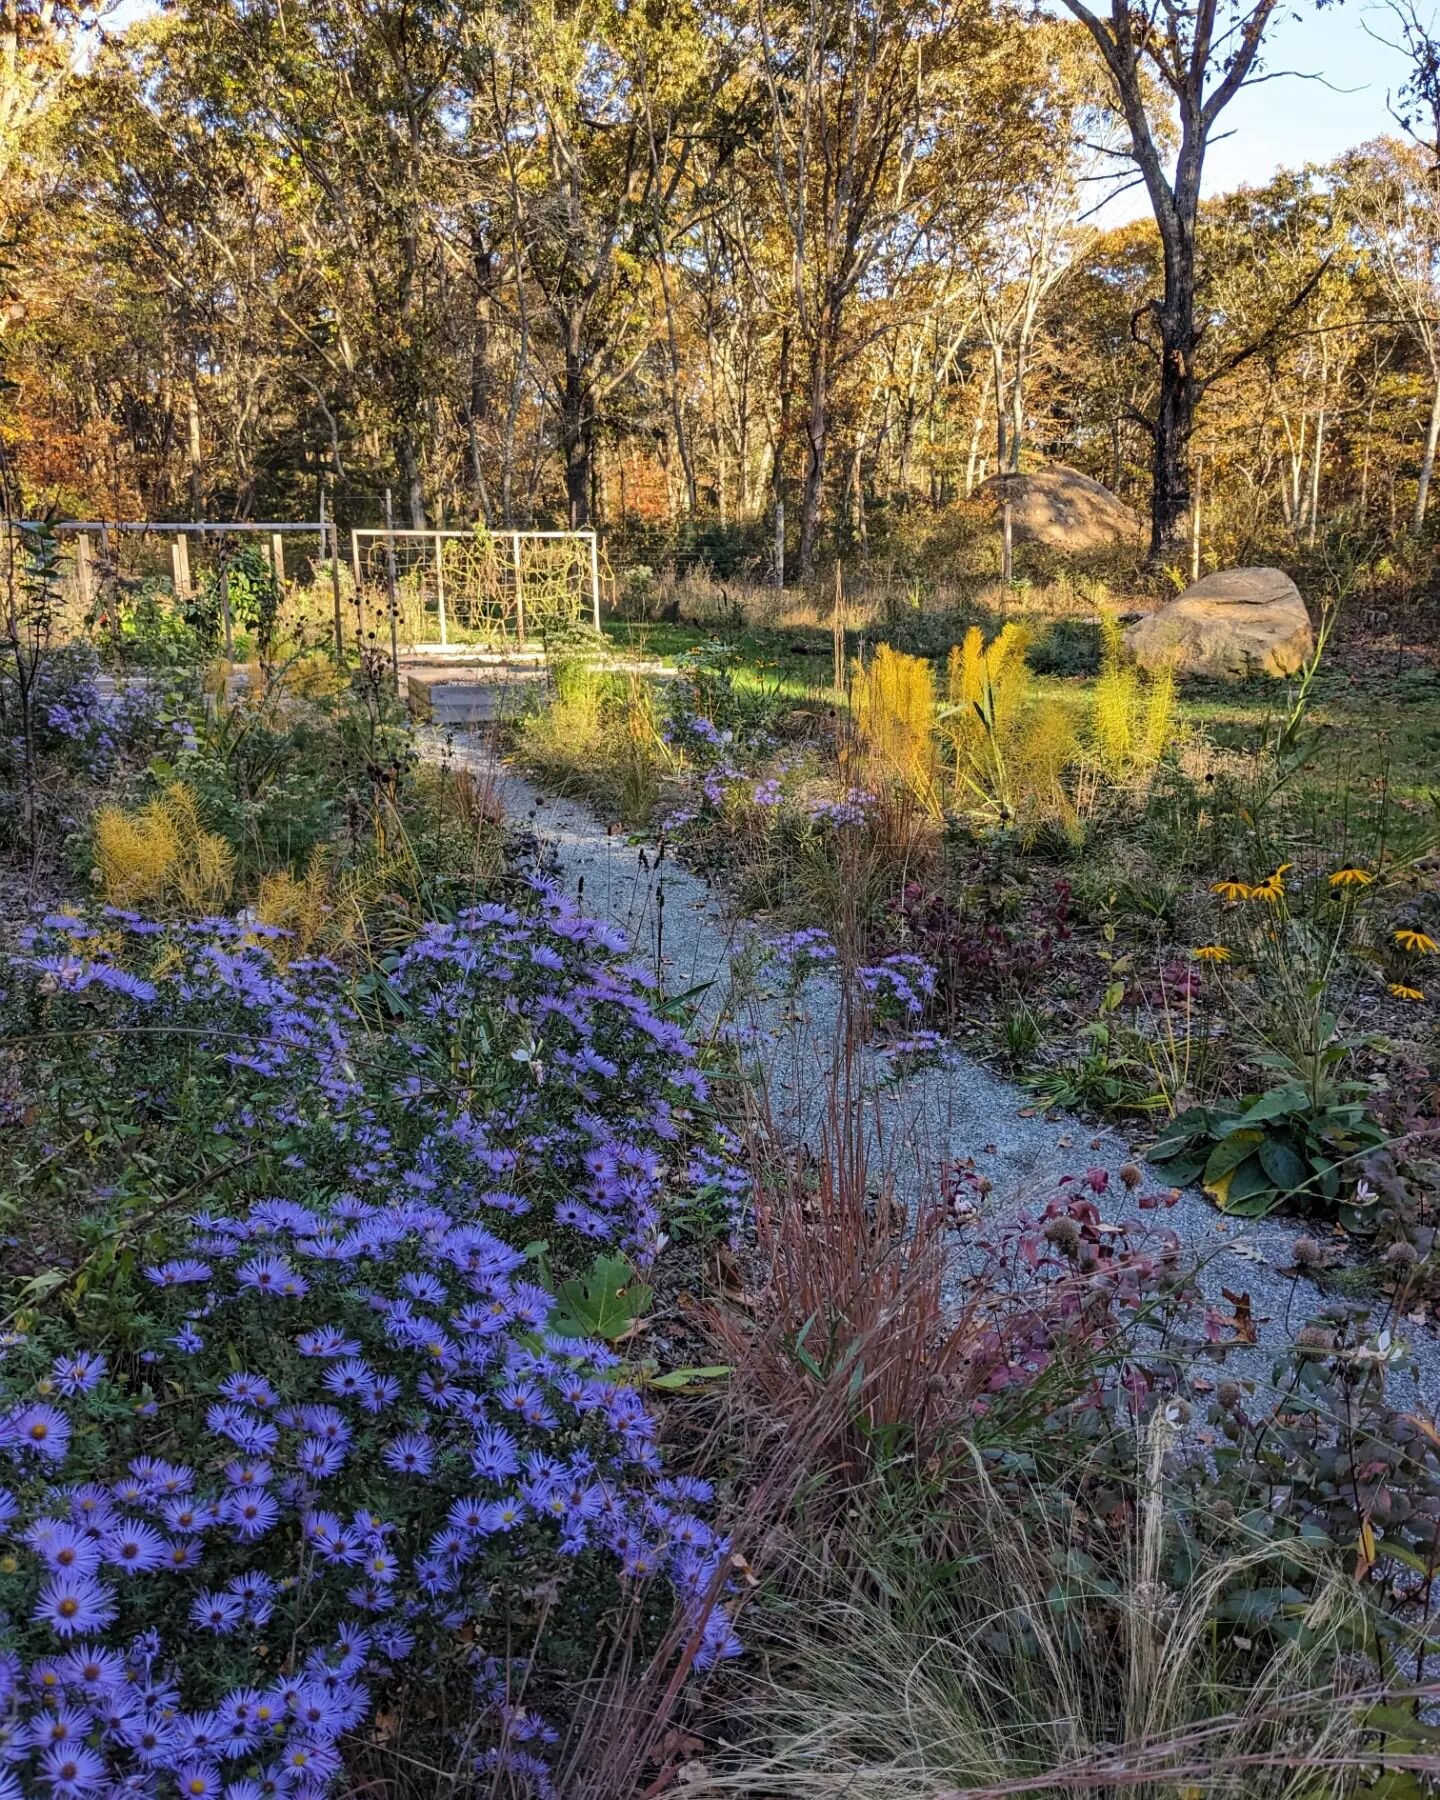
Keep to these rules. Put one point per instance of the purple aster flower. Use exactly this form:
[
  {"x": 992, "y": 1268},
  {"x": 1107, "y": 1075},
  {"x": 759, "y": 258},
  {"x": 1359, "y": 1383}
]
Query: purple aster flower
[
  {"x": 412, "y": 1453},
  {"x": 43, "y": 1429},
  {"x": 328, "y": 1341},
  {"x": 63, "y": 1546},
  {"x": 134, "y": 1547},
  {"x": 78, "y": 1374},
  {"x": 97, "y": 1670},
  {"x": 247, "y": 1474},
  {"x": 248, "y": 1390},
  {"x": 252, "y": 1511},
  {"x": 349, "y": 1380},
  {"x": 220, "y": 1613},
  {"x": 325, "y": 1422},
  {"x": 198, "y": 1781},
  {"x": 318, "y": 1458},
  {"x": 272, "y": 1275},
  {"x": 71, "y": 1603},
  {"x": 179, "y": 1273},
  {"x": 71, "y": 1771},
  {"x": 383, "y": 1392}
]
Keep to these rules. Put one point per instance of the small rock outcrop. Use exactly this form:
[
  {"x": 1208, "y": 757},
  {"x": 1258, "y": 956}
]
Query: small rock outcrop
[
  {"x": 1234, "y": 623},
  {"x": 1064, "y": 510}
]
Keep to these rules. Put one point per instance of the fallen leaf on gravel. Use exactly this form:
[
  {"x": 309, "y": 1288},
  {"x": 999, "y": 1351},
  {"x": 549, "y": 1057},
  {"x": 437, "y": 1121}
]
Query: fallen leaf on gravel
[
  {"x": 1251, "y": 1254},
  {"x": 1244, "y": 1318}
]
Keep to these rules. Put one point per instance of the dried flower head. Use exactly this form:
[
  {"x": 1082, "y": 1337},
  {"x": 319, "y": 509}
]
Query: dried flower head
[{"x": 1063, "y": 1234}]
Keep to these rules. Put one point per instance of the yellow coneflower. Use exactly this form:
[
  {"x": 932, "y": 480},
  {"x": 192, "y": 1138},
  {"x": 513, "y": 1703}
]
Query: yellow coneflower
[
  {"x": 1211, "y": 953},
  {"x": 1401, "y": 992},
  {"x": 1232, "y": 890},
  {"x": 1272, "y": 888},
  {"x": 1343, "y": 878},
  {"x": 1420, "y": 942}
]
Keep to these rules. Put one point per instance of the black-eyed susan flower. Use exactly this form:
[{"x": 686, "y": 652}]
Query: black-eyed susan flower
[
  {"x": 1211, "y": 953},
  {"x": 1231, "y": 890},
  {"x": 1403, "y": 992},
  {"x": 1351, "y": 877},
  {"x": 1420, "y": 943},
  {"x": 1272, "y": 888}
]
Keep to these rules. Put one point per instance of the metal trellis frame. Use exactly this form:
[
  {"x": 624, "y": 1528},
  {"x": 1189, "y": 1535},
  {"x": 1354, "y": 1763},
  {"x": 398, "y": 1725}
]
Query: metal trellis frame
[{"x": 504, "y": 600}]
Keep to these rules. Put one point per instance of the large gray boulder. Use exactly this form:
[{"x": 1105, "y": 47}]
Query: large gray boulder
[
  {"x": 1064, "y": 510},
  {"x": 1234, "y": 623}
]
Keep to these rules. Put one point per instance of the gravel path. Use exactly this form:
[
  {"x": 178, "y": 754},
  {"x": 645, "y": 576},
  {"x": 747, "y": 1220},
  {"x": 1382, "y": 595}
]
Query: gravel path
[{"x": 682, "y": 929}]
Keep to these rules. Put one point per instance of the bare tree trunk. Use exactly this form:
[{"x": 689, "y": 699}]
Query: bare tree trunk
[
  {"x": 1175, "y": 409},
  {"x": 1315, "y": 456},
  {"x": 977, "y": 430},
  {"x": 411, "y": 478},
  {"x": 817, "y": 423},
  {"x": 196, "y": 453},
  {"x": 1427, "y": 461},
  {"x": 477, "y": 409}
]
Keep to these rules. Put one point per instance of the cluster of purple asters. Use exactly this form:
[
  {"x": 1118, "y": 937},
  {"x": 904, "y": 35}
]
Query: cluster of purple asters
[
  {"x": 899, "y": 987},
  {"x": 345, "y": 1412},
  {"x": 852, "y": 808},
  {"x": 77, "y": 716}
]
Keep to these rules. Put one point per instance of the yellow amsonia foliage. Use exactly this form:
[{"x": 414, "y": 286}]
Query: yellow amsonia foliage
[
  {"x": 1010, "y": 749},
  {"x": 161, "y": 854},
  {"x": 319, "y": 910},
  {"x": 298, "y": 904},
  {"x": 894, "y": 702},
  {"x": 1133, "y": 718}
]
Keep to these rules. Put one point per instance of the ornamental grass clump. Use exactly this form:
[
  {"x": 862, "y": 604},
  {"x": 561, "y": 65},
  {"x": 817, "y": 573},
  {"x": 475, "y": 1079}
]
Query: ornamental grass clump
[{"x": 326, "y": 1455}]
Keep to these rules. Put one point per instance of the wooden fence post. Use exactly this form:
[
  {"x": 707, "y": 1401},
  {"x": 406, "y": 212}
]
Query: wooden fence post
[
  {"x": 277, "y": 558},
  {"x": 519, "y": 592},
  {"x": 1007, "y": 538},
  {"x": 225, "y": 613},
  {"x": 394, "y": 592},
  {"x": 837, "y": 630},
  {"x": 84, "y": 576},
  {"x": 334, "y": 576},
  {"x": 595, "y": 577},
  {"x": 440, "y": 587}
]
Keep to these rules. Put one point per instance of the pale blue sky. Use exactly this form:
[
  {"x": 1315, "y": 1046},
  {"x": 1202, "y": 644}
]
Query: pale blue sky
[{"x": 1286, "y": 122}]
